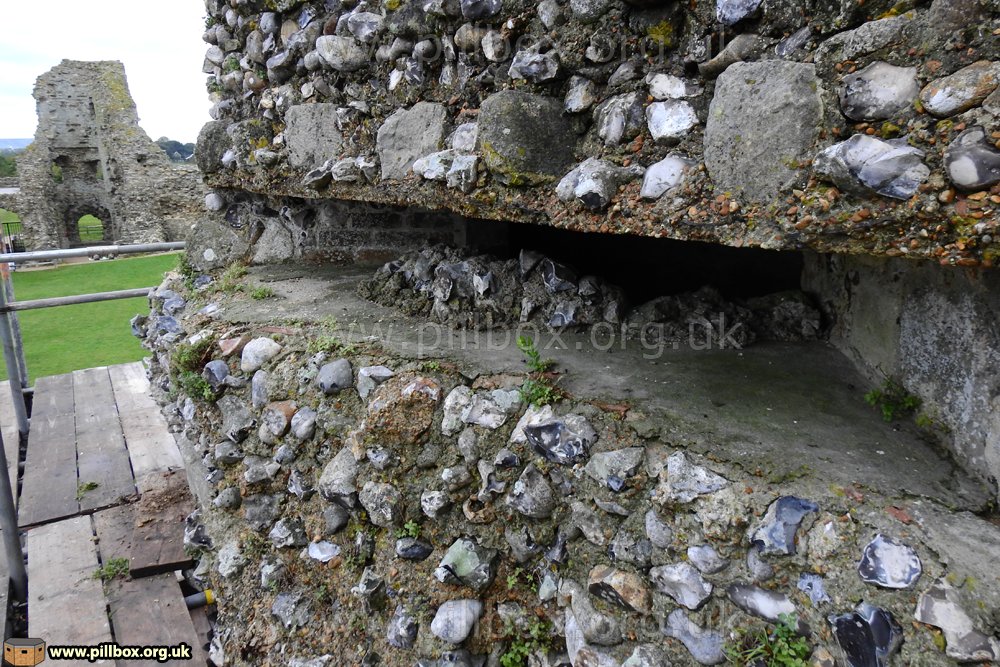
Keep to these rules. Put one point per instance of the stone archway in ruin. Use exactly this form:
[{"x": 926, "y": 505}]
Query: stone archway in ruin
[{"x": 72, "y": 227}]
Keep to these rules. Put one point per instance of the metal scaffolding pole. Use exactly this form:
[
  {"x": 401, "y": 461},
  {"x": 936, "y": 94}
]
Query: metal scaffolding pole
[
  {"x": 11, "y": 355},
  {"x": 8, "y": 525}
]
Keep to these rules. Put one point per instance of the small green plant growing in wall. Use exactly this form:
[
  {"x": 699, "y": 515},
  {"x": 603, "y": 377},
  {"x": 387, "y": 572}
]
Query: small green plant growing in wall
[
  {"x": 230, "y": 280},
  {"x": 261, "y": 292},
  {"x": 196, "y": 386},
  {"x": 409, "y": 529},
  {"x": 781, "y": 648},
  {"x": 532, "y": 356},
  {"x": 520, "y": 649},
  {"x": 536, "y": 389},
  {"x": 892, "y": 400}
]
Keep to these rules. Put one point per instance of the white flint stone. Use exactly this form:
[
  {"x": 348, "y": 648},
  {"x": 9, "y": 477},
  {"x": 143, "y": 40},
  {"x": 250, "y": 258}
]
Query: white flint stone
[
  {"x": 671, "y": 120},
  {"x": 664, "y": 176}
]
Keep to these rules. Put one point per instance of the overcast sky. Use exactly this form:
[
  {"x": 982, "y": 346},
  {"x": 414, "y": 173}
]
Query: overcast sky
[{"x": 160, "y": 44}]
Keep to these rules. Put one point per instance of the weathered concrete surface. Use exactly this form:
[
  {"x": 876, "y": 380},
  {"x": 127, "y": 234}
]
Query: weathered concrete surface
[
  {"x": 937, "y": 332},
  {"x": 90, "y": 156},
  {"x": 788, "y": 409}
]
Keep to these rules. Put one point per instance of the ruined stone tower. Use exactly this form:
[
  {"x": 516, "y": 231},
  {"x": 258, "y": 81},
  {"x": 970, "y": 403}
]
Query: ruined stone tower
[{"x": 91, "y": 157}]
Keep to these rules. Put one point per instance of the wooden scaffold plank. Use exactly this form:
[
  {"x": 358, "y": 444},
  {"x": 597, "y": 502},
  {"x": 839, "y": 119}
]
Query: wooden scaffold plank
[
  {"x": 66, "y": 603},
  {"x": 104, "y": 470},
  {"x": 49, "y": 485}
]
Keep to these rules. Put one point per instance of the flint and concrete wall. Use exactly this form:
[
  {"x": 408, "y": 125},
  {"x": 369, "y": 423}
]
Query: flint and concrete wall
[{"x": 865, "y": 130}]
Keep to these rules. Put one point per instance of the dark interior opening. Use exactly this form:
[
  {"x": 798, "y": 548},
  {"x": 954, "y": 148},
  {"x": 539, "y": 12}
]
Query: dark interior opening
[{"x": 648, "y": 267}]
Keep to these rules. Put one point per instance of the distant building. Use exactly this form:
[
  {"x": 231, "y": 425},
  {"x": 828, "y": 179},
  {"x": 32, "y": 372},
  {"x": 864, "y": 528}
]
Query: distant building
[{"x": 91, "y": 157}]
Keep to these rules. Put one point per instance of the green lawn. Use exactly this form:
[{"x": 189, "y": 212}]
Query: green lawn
[{"x": 59, "y": 340}]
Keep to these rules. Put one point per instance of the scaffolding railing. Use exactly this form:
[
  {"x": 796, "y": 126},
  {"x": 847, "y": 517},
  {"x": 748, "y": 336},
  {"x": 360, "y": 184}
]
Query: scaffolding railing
[{"x": 17, "y": 370}]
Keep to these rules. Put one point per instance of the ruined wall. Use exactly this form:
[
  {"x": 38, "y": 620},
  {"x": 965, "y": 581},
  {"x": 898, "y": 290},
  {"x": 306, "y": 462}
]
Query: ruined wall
[{"x": 91, "y": 157}]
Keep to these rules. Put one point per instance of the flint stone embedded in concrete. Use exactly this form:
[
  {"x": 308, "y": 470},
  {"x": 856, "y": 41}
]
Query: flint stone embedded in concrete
[
  {"x": 878, "y": 91},
  {"x": 961, "y": 91},
  {"x": 972, "y": 161},
  {"x": 596, "y": 627},
  {"x": 762, "y": 122},
  {"x": 480, "y": 9},
  {"x": 335, "y": 376},
  {"x": 889, "y": 564},
  {"x": 812, "y": 584},
  {"x": 338, "y": 481},
  {"x": 344, "y": 54},
  {"x": 292, "y": 609},
  {"x": 731, "y": 12},
  {"x": 670, "y": 121},
  {"x": 287, "y": 533},
  {"x": 403, "y": 628},
  {"x": 260, "y": 511},
  {"x": 941, "y": 606},
  {"x": 618, "y": 118},
  {"x": 629, "y": 546},
  {"x": 323, "y": 551},
  {"x": 588, "y": 522},
  {"x": 660, "y": 534},
  {"x": 777, "y": 532},
  {"x": 303, "y": 423},
  {"x": 868, "y": 636},
  {"x": 237, "y": 422},
  {"x": 620, "y": 463},
  {"x": 467, "y": 563},
  {"x": 433, "y": 501},
  {"x": 594, "y": 182},
  {"x": 864, "y": 164},
  {"x": 621, "y": 588},
  {"x": 706, "y": 559},
  {"x": 704, "y": 645},
  {"x": 212, "y": 245},
  {"x": 455, "y": 619},
  {"x": 683, "y": 583},
  {"x": 228, "y": 499},
  {"x": 670, "y": 87},
  {"x": 258, "y": 389},
  {"x": 534, "y": 66},
  {"x": 532, "y": 495},
  {"x": 682, "y": 481},
  {"x": 383, "y": 502},
  {"x": 311, "y": 134},
  {"x": 769, "y": 605},
  {"x": 663, "y": 176},
  {"x": 409, "y": 134},
  {"x": 215, "y": 373},
  {"x": 524, "y": 138},
  {"x": 411, "y": 548},
  {"x": 564, "y": 440},
  {"x": 257, "y": 353},
  {"x": 582, "y": 95}
]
